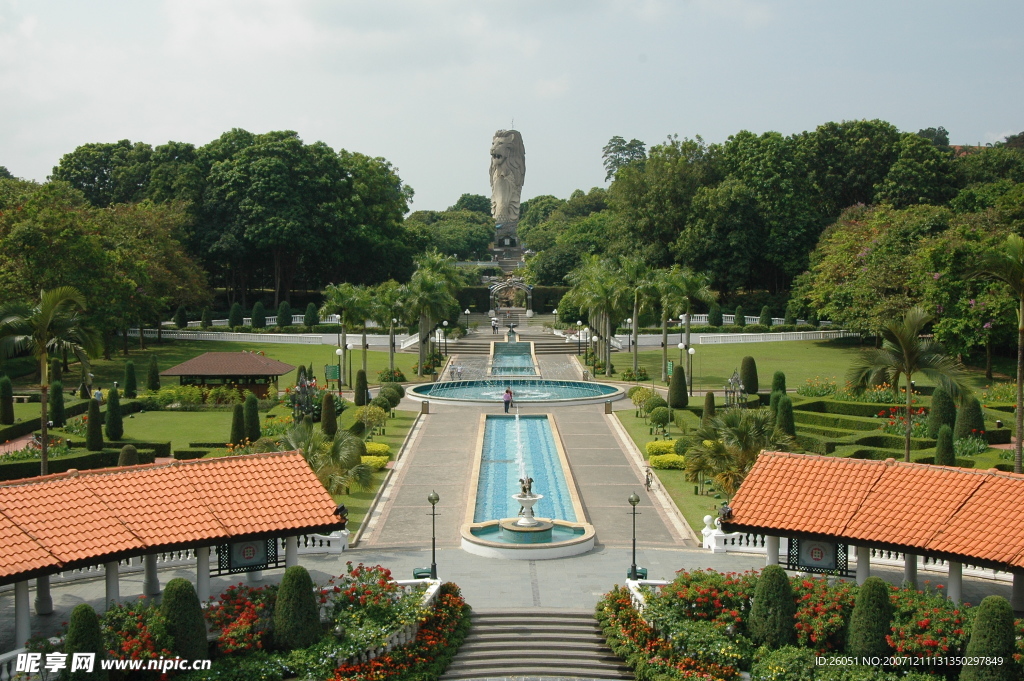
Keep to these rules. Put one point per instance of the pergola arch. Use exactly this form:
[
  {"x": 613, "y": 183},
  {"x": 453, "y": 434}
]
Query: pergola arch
[{"x": 512, "y": 284}]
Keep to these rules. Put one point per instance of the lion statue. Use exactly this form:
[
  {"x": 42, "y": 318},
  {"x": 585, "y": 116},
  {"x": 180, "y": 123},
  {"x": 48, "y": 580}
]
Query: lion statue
[{"x": 508, "y": 170}]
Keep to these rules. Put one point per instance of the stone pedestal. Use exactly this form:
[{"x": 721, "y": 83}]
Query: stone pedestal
[{"x": 527, "y": 501}]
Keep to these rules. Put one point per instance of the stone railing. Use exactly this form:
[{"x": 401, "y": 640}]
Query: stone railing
[
  {"x": 636, "y": 591},
  {"x": 721, "y": 338}
]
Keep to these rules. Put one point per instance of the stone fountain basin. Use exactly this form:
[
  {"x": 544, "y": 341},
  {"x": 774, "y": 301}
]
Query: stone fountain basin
[{"x": 540, "y": 533}]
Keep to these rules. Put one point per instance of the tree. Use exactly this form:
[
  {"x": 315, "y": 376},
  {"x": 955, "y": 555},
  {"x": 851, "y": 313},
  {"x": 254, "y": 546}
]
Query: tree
[
  {"x": 945, "y": 455},
  {"x": 93, "y": 427},
  {"x": 185, "y": 623},
  {"x": 54, "y": 325},
  {"x": 251, "y": 417},
  {"x": 464, "y": 233},
  {"x": 748, "y": 375},
  {"x": 284, "y": 314},
  {"x": 992, "y": 637},
  {"x": 350, "y": 303},
  {"x": 57, "y": 414},
  {"x": 181, "y": 317},
  {"x": 939, "y": 137},
  {"x": 942, "y": 412},
  {"x": 337, "y": 462},
  {"x": 237, "y": 425},
  {"x": 921, "y": 174},
  {"x": 904, "y": 353},
  {"x": 970, "y": 420},
  {"x": 709, "y": 407},
  {"x": 311, "y": 318},
  {"x": 779, "y": 382},
  {"x": 870, "y": 620},
  {"x": 431, "y": 296},
  {"x": 678, "y": 397},
  {"x": 598, "y": 288},
  {"x": 642, "y": 283},
  {"x": 259, "y": 316},
  {"x": 206, "y": 321},
  {"x": 153, "y": 374},
  {"x": 360, "y": 389},
  {"x": 56, "y": 372},
  {"x": 107, "y": 173},
  {"x": 329, "y": 416},
  {"x": 387, "y": 301},
  {"x": 131, "y": 389},
  {"x": 235, "y": 316},
  {"x": 772, "y": 616},
  {"x": 296, "y": 614},
  {"x": 739, "y": 318},
  {"x": 773, "y": 403},
  {"x": 784, "y": 417},
  {"x": 5, "y": 174},
  {"x": 84, "y": 636},
  {"x": 765, "y": 319},
  {"x": 619, "y": 153},
  {"x": 473, "y": 202},
  {"x": 129, "y": 456},
  {"x": 114, "y": 421},
  {"x": 6, "y": 401},
  {"x": 715, "y": 315}
]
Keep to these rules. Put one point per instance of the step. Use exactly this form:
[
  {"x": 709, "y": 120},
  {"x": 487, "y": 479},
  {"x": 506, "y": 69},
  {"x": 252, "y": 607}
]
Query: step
[
  {"x": 536, "y": 666},
  {"x": 562, "y": 647}
]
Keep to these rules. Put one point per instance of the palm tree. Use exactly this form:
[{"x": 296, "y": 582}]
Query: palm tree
[
  {"x": 349, "y": 302},
  {"x": 670, "y": 298},
  {"x": 1006, "y": 263},
  {"x": 53, "y": 327},
  {"x": 386, "y": 303},
  {"x": 431, "y": 295},
  {"x": 598, "y": 288},
  {"x": 337, "y": 463},
  {"x": 905, "y": 353},
  {"x": 694, "y": 287},
  {"x": 640, "y": 280}
]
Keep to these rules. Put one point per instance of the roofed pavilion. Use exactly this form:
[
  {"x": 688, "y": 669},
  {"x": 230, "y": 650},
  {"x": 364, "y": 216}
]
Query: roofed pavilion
[{"x": 243, "y": 370}]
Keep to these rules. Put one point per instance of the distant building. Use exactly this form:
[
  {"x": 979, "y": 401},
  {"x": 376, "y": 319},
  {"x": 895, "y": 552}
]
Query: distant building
[{"x": 243, "y": 370}]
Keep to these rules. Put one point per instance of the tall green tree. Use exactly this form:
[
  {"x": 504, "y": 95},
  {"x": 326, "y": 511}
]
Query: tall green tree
[
  {"x": 337, "y": 461},
  {"x": 641, "y": 283},
  {"x": 114, "y": 418},
  {"x": 153, "y": 374},
  {"x": 431, "y": 296},
  {"x": 387, "y": 304},
  {"x": 921, "y": 173},
  {"x": 56, "y": 324},
  {"x": 350, "y": 303},
  {"x": 108, "y": 173},
  {"x": 599, "y": 288},
  {"x": 619, "y": 153}
]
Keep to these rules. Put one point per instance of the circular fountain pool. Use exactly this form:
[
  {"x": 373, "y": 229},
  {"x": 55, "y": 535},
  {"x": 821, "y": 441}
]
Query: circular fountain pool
[{"x": 534, "y": 391}]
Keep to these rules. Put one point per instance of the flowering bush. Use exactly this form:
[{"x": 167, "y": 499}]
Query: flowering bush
[
  {"x": 970, "y": 446},
  {"x": 816, "y": 387},
  {"x": 136, "y": 630},
  {"x": 926, "y": 624},
  {"x": 877, "y": 394},
  {"x": 639, "y": 375},
  {"x": 243, "y": 616},
  {"x": 822, "y": 612},
  {"x": 1000, "y": 392},
  {"x": 705, "y": 595},
  {"x": 277, "y": 426},
  {"x": 389, "y": 376},
  {"x": 896, "y": 421},
  {"x": 78, "y": 426}
]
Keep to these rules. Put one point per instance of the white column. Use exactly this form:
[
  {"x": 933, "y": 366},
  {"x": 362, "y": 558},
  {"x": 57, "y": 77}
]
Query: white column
[
  {"x": 771, "y": 547},
  {"x": 954, "y": 589},
  {"x": 203, "y": 573},
  {"x": 44, "y": 602},
  {"x": 254, "y": 577},
  {"x": 863, "y": 563},
  {"x": 1017, "y": 596},
  {"x": 910, "y": 569},
  {"x": 150, "y": 582},
  {"x": 111, "y": 570},
  {"x": 291, "y": 551},
  {"x": 22, "y": 623}
]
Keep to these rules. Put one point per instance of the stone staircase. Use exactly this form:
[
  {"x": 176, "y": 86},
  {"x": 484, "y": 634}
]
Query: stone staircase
[
  {"x": 551, "y": 644},
  {"x": 480, "y": 344}
]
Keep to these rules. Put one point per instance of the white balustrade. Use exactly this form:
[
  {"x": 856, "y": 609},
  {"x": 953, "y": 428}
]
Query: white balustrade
[{"x": 722, "y": 338}]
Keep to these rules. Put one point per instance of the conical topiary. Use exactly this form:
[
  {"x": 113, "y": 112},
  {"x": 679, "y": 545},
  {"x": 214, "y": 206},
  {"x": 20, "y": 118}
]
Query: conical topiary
[
  {"x": 329, "y": 416},
  {"x": 114, "y": 421},
  {"x": 56, "y": 412},
  {"x": 709, "y": 407},
  {"x": 93, "y": 427},
  {"x": 312, "y": 317},
  {"x": 970, "y": 422},
  {"x": 296, "y": 615},
  {"x": 259, "y": 316},
  {"x": 251, "y": 418},
  {"x": 715, "y": 315},
  {"x": 206, "y": 321},
  {"x": 779, "y": 382},
  {"x": 870, "y": 621},
  {"x": 235, "y": 317},
  {"x": 739, "y": 317},
  {"x": 153, "y": 375},
  {"x": 360, "y": 388},
  {"x": 773, "y": 403},
  {"x": 6, "y": 401},
  {"x": 765, "y": 318},
  {"x": 180, "y": 317},
  {"x": 791, "y": 313},
  {"x": 784, "y": 416},
  {"x": 944, "y": 453},
  {"x": 942, "y": 411},
  {"x": 131, "y": 383},
  {"x": 284, "y": 314},
  {"x": 84, "y": 636},
  {"x": 237, "y": 425},
  {"x": 56, "y": 374},
  {"x": 185, "y": 623},
  {"x": 129, "y": 456},
  {"x": 992, "y": 636},
  {"x": 677, "y": 395},
  {"x": 748, "y": 375},
  {"x": 772, "y": 620}
]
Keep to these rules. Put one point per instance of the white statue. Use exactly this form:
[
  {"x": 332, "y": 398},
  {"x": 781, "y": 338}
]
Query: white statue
[{"x": 508, "y": 170}]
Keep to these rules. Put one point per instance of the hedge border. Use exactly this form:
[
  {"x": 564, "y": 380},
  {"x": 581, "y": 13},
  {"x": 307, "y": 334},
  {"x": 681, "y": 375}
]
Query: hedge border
[{"x": 107, "y": 458}]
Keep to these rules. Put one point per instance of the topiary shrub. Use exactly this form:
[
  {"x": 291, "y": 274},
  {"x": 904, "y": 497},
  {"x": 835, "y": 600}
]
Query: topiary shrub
[
  {"x": 114, "y": 421},
  {"x": 329, "y": 416},
  {"x": 391, "y": 395},
  {"x": 129, "y": 456},
  {"x": 791, "y": 313},
  {"x": 871, "y": 620},
  {"x": 378, "y": 449},
  {"x": 969, "y": 420},
  {"x": 6, "y": 401},
  {"x": 709, "y": 407},
  {"x": 153, "y": 375},
  {"x": 235, "y": 317},
  {"x": 671, "y": 461},
  {"x": 739, "y": 319},
  {"x": 251, "y": 417},
  {"x": 382, "y": 402},
  {"x": 284, "y": 314},
  {"x": 653, "y": 402},
  {"x": 784, "y": 420},
  {"x": 237, "y": 425},
  {"x": 944, "y": 453},
  {"x": 259, "y": 316},
  {"x": 748, "y": 375},
  {"x": 765, "y": 318},
  {"x": 773, "y": 403},
  {"x": 677, "y": 397},
  {"x": 660, "y": 447},
  {"x": 312, "y": 316},
  {"x": 180, "y": 317},
  {"x": 93, "y": 427},
  {"x": 992, "y": 635},
  {"x": 206, "y": 321},
  {"x": 714, "y": 315},
  {"x": 131, "y": 383},
  {"x": 56, "y": 407},
  {"x": 296, "y": 615},
  {"x": 56, "y": 373},
  {"x": 942, "y": 411},
  {"x": 185, "y": 623},
  {"x": 360, "y": 388},
  {"x": 772, "y": 620},
  {"x": 779, "y": 382},
  {"x": 377, "y": 463},
  {"x": 398, "y": 387},
  {"x": 659, "y": 417},
  {"x": 84, "y": 636}
]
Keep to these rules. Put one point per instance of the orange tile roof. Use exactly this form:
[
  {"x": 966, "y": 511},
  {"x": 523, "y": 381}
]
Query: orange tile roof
[
  {"x": 916, "y": 506},
  {"x": 229, "y": 364},
  {"x": 86, "y": 518}
]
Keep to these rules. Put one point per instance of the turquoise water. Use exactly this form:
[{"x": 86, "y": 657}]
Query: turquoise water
[
  {"x": 500, "y": 469},
  {"x": 523, "y": 389},
  {"x": 512, "y": 359},
  {"x": 494, "y": 533}
]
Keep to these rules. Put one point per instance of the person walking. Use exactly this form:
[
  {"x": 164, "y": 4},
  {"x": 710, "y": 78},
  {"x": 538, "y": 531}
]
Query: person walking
[
  {"x": 451, "y": 372},
  {"x": 458, "y": 370},
  {"x": 507, "y": 398},
  {"x": 494, "y": 327}
]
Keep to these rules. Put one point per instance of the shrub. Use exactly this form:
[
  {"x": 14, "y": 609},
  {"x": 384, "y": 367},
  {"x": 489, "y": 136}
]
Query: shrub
[
  {"x": 671, "y": 461},
  {"x": 296, "y": 614},
  {"x": 153, "y": 375},
  {"x": 235, "y": 316},
  {"x": 714, "y": 315},
  {"x": 382, "y": 402},
  {"x": 185, "y": 624},
  {"x": 943, "y": 411},
  {"x": 773, "y": 403},
  {"x": 870, "y": 621},
  {"x": 709, "y": 407},
  {"x": 237, "y": 425},
  {"x": 812, "y": 318},
  {"x": 180, "y": 317},
  {"x": 784, "y": 417},
  {"x": 206, "y": 321},
  {"x": 944, "y": 454},
  {"x": 771, "y": 620},
  {"x": 377, "y": 463},
  {"x": 378, "y": 449},
  {"x": 969, "y": 420},
  {"x": 748, "y": 375},
  {"x": 788, "y": 663},
  {"x": 653, "y": 402},
  {"x": 259, "y": 316},
  {"x": 779, "y": 382},
  {"x": 56, "y": 407},
  {"x": 660, "y": 417},
  {"x": 56, "y": 373},
  {"x": 738, "y": 317},
  {"x": 397, "y": 387},
  {"x": 251, "y": 417},
  {"x": 789, "y": 318},
  {"x": 389, "y": 376},
  {"x": 677, "y": 397},
  {"x": 391, "y": 395},
  {"x": 6, "y": 401},
  {"x": 655, "y": 447},
  {"x": 94, "y": 427},
  {"x": 312, "y": 316},
  {"x": 765, "y": 318},
  {"x": 115, "y": 421},
  {"x": 992, "y": 635},
  {"x": 360, "y": 388},
  {"x": 284, "y": 314},
  {"x": 129, "y": 456},
  {"x": 84, "y": 636},
  {"x": 131, "y": 383},
  {"x": 329, "y": 416}
]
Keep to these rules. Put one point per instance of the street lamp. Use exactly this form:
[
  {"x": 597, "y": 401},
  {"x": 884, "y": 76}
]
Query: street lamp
[
  {"x": 444, "y": 332},
  {"x": 629, "y": 339},
  {"x": 433, "y": 499},
  {"x": 681, "y": 346},
  {"x": 466, "y": 312},
  {"x": 339, "y": 352},
  {"x": 689, "y": 367},
  {"x": 349, "y": 347},
  {"x": 391, "y": 341},
  {"x": 634, "y": 499},
  {"x": 579, "y": 337}
]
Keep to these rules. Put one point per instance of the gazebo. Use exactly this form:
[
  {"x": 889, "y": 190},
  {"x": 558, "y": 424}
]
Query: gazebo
[{"x": 243, "y": 370}]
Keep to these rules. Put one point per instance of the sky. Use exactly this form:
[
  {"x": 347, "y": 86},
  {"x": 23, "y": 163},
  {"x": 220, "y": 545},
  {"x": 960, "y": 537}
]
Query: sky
[{"x": 426, "y": 84}]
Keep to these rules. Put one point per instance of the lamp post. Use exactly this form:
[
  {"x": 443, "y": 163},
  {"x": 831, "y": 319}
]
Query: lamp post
[
  {"x": 339, "y": 352},
  {"x": 349, "y": 347},
  {"x": 433, "y": 499},
  {"x": 579, "y": 337},
  {"x": 466, "y": 312},
  {"x": 629, "y": 339},
  {"x": 444, "y": 332},
  {"x": 681, "y": 346},
  {"x": 634, "y": 499},
  {"x": 689, "y": 367},
  {"x": 391, "y": 349}
]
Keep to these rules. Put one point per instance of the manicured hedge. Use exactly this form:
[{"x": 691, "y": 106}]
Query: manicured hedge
[
  {"x": 32, "y": 425},
  {"x": 107, "y": 458},
  {"x": 207, "y": 445},
  {"x": 894, "y": 442},
  {"x": 961, "y": 462},
  {"x": 831, "y": 421},
  {"x": 186, "y": 454},
  {"x": 656, "y": 447},
  {"x": 159, "y": 449}
]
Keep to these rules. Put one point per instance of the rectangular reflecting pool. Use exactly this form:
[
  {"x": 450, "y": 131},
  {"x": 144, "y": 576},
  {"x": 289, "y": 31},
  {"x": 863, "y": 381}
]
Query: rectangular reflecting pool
[{"x": 513, "y": 359}]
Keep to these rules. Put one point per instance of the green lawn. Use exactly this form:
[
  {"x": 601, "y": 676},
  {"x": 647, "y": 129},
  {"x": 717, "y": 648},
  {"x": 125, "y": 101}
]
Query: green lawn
[{"x": 179, "y": 427}]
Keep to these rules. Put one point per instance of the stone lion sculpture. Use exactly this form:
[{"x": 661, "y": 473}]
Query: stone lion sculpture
[{"x": 508, "y": 170}]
